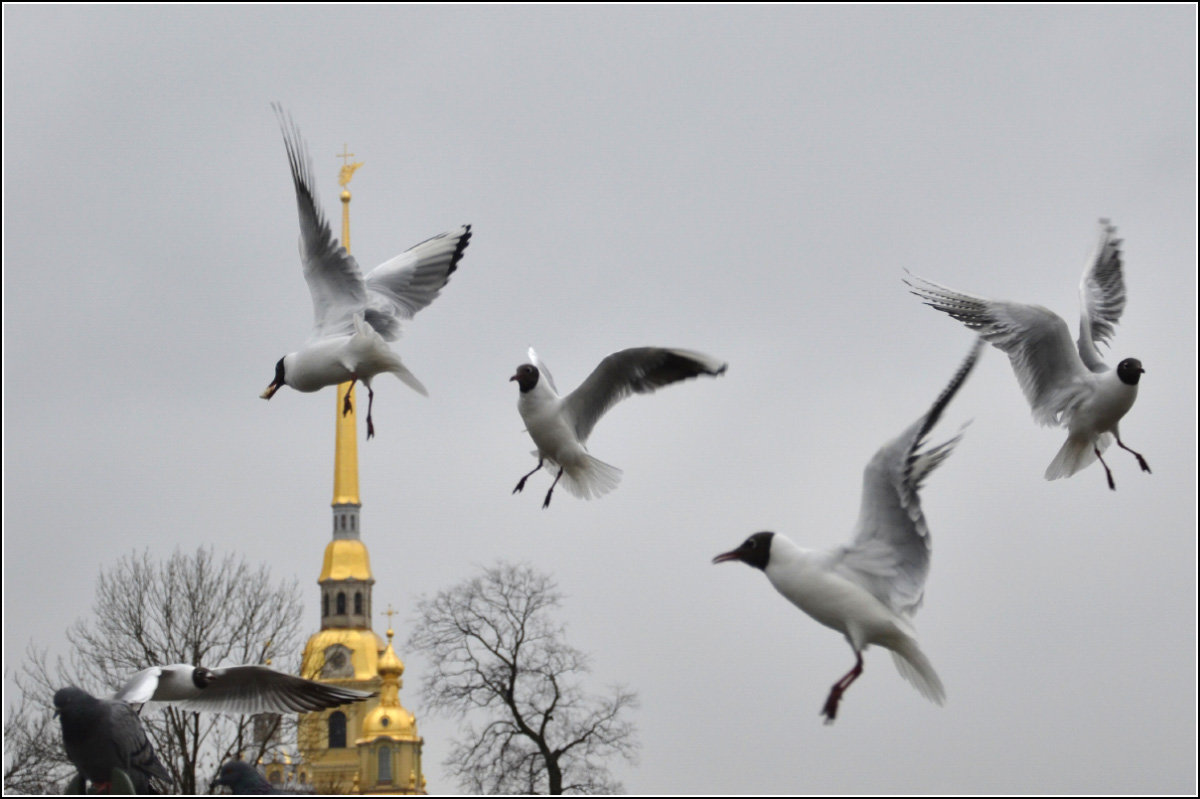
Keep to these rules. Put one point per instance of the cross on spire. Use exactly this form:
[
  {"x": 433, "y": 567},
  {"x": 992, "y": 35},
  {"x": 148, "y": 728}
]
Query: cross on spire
[{"x": 345, "y": 155}]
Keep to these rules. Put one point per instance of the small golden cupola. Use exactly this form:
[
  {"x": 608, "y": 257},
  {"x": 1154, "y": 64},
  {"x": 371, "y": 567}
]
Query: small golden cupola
[{"x": 390, "y": 749}]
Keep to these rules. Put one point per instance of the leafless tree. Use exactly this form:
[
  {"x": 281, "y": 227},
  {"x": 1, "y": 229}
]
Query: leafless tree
[
  {"x": 195, "y": 609},
  {"x": 497, "y": 656}
]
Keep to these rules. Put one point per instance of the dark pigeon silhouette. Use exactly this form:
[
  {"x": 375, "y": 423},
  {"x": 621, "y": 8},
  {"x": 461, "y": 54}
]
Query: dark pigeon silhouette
[
  {"x": 244, "y": 779},
  {"x": 101, "y": 735}
]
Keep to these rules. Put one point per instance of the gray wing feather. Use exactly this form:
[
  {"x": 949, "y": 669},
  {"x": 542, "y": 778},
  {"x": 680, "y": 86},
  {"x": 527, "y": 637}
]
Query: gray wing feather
[
  {"x": 403, "y": 285},
  {"x": 334, "y": 279},
  {"x": 1101, "y": 297},
  {"x": 889, "y": 555},
  {"x": 639, "y": 370},
  {"x": 132, "y": 744},
  {"x": 1036, "y": 340},
  {"x": 259, "y": 689}
]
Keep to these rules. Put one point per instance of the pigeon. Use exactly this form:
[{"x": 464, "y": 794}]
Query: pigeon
[
  {"x": 105, "y": 734},
  {"x": 560, "y": 426},
  {"x": 869, "y": 589},
  {"x": 244, "y": 779},
  {"x": 355, "y": 317},
  {"x": 1065, "y": 385},
  {"x": 234, "y": 689}
]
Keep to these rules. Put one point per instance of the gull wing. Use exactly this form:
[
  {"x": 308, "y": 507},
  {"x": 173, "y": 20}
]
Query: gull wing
[
  {"x": 889, "y": 555},
  {"x": 334, "y": 279},
  {"x": 1101, "y": 297},
  {"x": 639, "y": 370},
  {"x": 401, "y": 286},
  {"x": 140, "y": 688},
  {"x": 1035, "y": 339},
  {"x": 259, "y": 689}
]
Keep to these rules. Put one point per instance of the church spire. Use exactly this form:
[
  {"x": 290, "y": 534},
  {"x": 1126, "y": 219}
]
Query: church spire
[{"x": 345, "y": 459}]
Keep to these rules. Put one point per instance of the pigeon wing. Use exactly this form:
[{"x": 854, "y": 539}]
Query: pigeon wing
[
  {"x": 1036, "y": 340},
  {"x": 398, "y": 288},
  {"x": 1101, "y": 297},
  {"x": 132, "y": 745},
  {"x": 889, "y": 555},
  {"x": 259, "y": 689},
  {"x": 334, "y": 279},
  {"x": 640, "y": 370}
]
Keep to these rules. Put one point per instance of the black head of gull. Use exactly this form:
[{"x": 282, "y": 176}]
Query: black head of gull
[
  {"x": 755, "y": 551},
  {"x": 526, "y": 377},
  {"x": 276, "y": 384},
  {"x": 1130, "y": 371}
]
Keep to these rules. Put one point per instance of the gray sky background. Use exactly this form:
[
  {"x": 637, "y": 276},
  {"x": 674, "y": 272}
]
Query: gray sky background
[{"x": 749, "y": 182}]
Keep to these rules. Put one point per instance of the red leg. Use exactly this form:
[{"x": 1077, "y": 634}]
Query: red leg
[
  {"x": 346, "y": 404},
  {"x": 839, "y": 688},
  {"x": 370, "y": 424},
  {"x": 521, "y": 485},
  {"x": 1141, "y": 461},
  {"x": 1107, "y": 470},
  {"x": 546, "y": 504}
]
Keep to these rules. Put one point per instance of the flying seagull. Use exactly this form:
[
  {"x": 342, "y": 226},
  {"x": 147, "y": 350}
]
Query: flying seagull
[
  {"x": 1066, "y": 385},
  {"x": 234, "y": 689},
  {"x": 869, "y": 589},
  {"x": 243, "y": 779},
  {"x": 355, "y": 317},
  {"x": 560, "y": 426},
  {"x": 100, "y": 735}
]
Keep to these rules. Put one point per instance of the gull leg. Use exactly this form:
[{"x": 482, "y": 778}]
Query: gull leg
[
  {"x": 839, "y": 688},
  {"x": 370, "y": 402},
  {"x": 521, "y": 485},
  {"x": 346, "y": 404},
  {"x": 1107, "y": 470},
  {"x": 1141, "y": 461},
  {"x": 546, "y": 504}
]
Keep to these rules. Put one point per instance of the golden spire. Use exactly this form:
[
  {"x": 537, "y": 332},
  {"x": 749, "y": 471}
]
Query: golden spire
[{"x": 345, "y": 459}]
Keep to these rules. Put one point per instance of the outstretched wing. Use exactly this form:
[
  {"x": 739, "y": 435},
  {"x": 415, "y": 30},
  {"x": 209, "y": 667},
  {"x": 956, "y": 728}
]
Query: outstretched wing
[
  {"x": 140, "y": 688},
  {"x": 639, "y": 370},
  {"x": 333, "y": 276},
  {"x": 889, "y": 555},
  {"x": 259, "y": 689},
  {"x": 398, "y": 288},
  {"x": 1101, "y": 297},
  {"x": 1035, "y": 339}
]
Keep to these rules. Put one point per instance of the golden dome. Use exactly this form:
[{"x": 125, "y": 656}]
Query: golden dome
[
  {"x": 345, "y": 559},
  {"x": 388, "y": 722},
  {"x": 389, "y": 662}
]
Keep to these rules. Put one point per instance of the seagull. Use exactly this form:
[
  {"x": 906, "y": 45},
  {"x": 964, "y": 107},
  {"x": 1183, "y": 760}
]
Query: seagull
[
  {"x": 234, "y": 689},
  {"x": 869, "y": 589},
  {"x": 355, "y": 317},
  {"x": 244, "y": 779},
  {"x": 101, "y": 735},
  {"x": 1076, "y": 390},
  {"x": 560, "y": 426}
]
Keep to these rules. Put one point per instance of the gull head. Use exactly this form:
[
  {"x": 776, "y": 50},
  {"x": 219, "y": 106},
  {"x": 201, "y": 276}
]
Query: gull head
[
  {"x": 526, "y": 377},
  {"x": 1130, "y": 371},
  {"x": 755, "y": 551},
  {"x": 276, "y": 384}
]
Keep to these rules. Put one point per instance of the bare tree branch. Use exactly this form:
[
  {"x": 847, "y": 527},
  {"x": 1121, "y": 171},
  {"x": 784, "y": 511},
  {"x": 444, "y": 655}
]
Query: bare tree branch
[{"x": 496, "y": 651}]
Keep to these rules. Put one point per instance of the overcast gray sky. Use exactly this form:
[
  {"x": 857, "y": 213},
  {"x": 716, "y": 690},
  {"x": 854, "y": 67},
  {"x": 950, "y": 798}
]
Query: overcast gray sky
[{"x": 749, "y": 182}]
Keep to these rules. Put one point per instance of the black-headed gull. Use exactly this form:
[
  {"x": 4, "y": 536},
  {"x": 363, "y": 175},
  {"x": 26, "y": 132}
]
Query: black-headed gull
[
  {"x": 560, "y": 426},
  {"x": 355, "y": 317},
  {"x": 869, "y": 589},
  {"x": 234, "y": 689},
  {"x": 1065, "y": 384},
  {"x": 100, "y": 735}
]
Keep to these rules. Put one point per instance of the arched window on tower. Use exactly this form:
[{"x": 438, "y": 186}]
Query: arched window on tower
[
  {"x": 325, "y": 606},
  {"x": 337, "y": 730},
  {"x": 341, "y": 604},
  {"x": 385, "y": 764},
  {"x": 358, "y": 602}
]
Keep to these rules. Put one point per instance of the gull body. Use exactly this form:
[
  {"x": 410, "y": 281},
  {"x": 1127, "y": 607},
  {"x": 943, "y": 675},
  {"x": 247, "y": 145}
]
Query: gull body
[
  {"x": 869, "y": 589},
  {"x": 560, "y": 426},
  {"x": 355, "y": 316},
  {"x": 100, "y": 735},
  {"x": 234, "y": 689},
  {"x": 1067, "y": 384}
]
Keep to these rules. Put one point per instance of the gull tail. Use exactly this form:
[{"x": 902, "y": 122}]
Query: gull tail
[
  {"x": 590, "y": 477},
  {"x": 1076, "y": 454},
  {"x": 915, "y": 667}
]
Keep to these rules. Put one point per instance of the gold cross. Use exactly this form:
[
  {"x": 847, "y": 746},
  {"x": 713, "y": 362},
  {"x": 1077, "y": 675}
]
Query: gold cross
[
  {"x": 344, "y": 154},
  {"x": 389, "y": 613}
]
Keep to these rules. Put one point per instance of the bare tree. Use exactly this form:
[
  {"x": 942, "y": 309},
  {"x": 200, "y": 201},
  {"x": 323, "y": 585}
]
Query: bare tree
[
  {"x": 195, "y": 609},
  {"x": 497, "y": 655}
]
